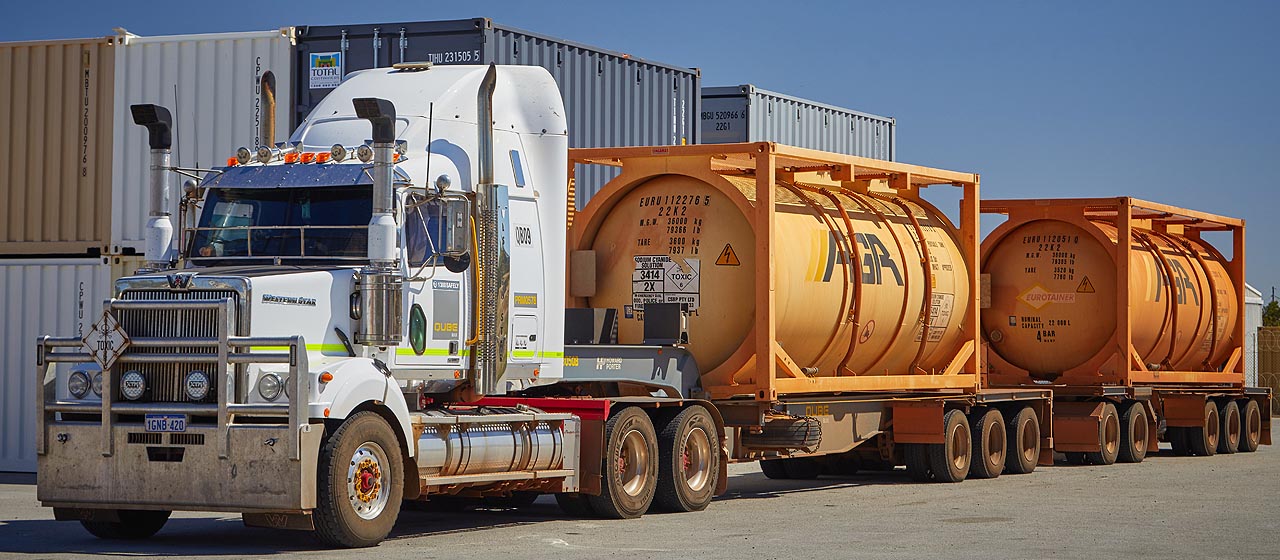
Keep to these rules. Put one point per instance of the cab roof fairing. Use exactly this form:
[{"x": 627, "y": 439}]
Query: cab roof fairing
[{"x": 526, "y": 100}]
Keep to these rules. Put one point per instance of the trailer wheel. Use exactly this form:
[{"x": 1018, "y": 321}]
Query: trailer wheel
[
  {"x": 916, "y": 456},
  {"x": 630, "y": 466},
  {"x": 360, "y": 483},
  {"x": 1024, "y": 442},
  {"x": 575, "y": 505},
  {"x": 1134, "y": 434},
  {"x": 802, "y": 468},
  {"x": 689, "y": 461},
  {"x": 1229, "y": 438},
  {"x": 1204, "y": 440},
  {"x": 134, "y": 524},
  {"x": 775, "y": 469},
  {"x": 1251, "y": 426},
  {"x": 990, "y": 444},
  {"x": 950, "y": 460},
  {"x": 1179, "y": 440},
  {"x": 1108, "y": 437}
]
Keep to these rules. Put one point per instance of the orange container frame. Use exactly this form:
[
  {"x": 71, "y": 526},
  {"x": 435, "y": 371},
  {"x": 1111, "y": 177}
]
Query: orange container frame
[
  {"x": 1122, "y": 366},
  {"x": 778, "y": 375}
]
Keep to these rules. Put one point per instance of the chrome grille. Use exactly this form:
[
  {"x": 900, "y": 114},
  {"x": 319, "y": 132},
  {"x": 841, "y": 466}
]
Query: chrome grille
[{"x": 166, "y": 382}]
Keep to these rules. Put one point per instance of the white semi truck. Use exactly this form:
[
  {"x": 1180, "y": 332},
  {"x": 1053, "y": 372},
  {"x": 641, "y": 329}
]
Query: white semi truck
[{"x": 375, "y": 311}]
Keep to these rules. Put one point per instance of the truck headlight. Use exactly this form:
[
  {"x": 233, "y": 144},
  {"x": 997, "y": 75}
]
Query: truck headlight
[
  {"x": 270, "y": 386},
  {"x": 197, "y": 385},
  {"x": 78, "y": 384},
  {"x": 132, "y": 385},
  {"x": 97, "y": 384}
]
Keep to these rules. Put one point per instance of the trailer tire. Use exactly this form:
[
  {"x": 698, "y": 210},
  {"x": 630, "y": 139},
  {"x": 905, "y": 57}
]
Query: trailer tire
[
  {"x": 1178, "y": 439},
  {"x": 1023, "y": 450},
  {"x": 990, "y": 444},
  {"x": 574, "y": 504},
  {"x": 1134, "y": 434},
  {"x": 1229, "y": 437},
  {"x": 802, "y": 468},
  {"x": 950, "y": 460},
  {"x": 1250, "y": 426},
  {"x": 689, "y": 461},
  {"x": 916, "y": 456},
  {"x": 629, "y": 469},
  {"x": 775, "y": 469},
  {"x": 1204, "y": 440},
  {"x": 1109, "y": 436},
  {"x": 360, "y": 483},
  {"x": 134, "y": 524}
]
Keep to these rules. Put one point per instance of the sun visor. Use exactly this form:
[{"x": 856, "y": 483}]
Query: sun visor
[{"x": 290, "y": 176}]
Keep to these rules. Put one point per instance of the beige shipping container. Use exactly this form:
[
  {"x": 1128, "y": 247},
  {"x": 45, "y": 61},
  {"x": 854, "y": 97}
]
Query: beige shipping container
[{"x": 56, "y": 137}]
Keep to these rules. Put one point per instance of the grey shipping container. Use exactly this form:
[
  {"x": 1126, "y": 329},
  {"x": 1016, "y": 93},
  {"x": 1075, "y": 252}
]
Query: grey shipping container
[
  {"x": 749, "y": 114},
  {"x": 612, "y": 99}
]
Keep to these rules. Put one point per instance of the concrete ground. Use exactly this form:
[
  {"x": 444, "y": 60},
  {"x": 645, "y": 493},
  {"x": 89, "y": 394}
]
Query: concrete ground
[{"x": 1172, "y": 507}]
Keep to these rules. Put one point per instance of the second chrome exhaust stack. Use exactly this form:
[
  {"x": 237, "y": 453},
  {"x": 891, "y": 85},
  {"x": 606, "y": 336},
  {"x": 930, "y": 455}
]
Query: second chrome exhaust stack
[
  {"x": 380, "y": 284},
  {"x": 159, "y": 124},
  {"x": 493, "y": 258}
]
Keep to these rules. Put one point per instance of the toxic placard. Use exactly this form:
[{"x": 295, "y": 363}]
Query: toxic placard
[{"x": 661, "y": 279}]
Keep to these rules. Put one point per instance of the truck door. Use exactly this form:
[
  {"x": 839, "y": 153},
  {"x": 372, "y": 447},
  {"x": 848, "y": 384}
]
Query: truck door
[{"x": 436, "y": 297}]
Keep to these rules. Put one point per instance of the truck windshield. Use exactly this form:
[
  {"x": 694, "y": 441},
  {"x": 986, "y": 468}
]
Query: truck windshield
[{"x": 313, "y": 223}]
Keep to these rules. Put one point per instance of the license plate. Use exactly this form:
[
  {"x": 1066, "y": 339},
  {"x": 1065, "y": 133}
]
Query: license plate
[{"x": 166, "y": 423}]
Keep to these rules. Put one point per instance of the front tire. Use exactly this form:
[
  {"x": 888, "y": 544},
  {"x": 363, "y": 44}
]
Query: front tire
[
  {"x": 361, "y": 486},
  {"x": 689, "y": 461},
  {"x": 134, "y": 525},
  {"x": 630, "y": 466}
]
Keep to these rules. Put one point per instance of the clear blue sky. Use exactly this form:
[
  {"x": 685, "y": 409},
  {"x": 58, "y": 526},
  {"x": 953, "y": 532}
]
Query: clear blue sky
[{"x": 1177, "y": 102}]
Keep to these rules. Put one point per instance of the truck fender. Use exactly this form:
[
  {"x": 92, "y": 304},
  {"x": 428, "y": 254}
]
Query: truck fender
[{"x": 357, "y": 381}]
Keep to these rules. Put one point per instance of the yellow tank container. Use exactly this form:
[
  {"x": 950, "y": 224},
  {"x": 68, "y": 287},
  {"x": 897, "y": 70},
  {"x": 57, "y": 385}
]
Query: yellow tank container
[
  {"x": 1058, "y": 272},
  {"x": 868, "y": 280}
]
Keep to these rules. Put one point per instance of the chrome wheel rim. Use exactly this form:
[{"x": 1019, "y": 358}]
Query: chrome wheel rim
[
  {"x": 366, "y": 480},
  {"x": 696, "y": 459},
  {"x": 633, "y": 463}
]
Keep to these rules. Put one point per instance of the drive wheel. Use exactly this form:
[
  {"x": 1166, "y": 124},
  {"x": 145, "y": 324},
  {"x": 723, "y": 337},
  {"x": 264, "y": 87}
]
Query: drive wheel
[
  {"x": 1108, "y": 437},
  {"x": 1250, "y": 426},
  {"x": 989, "y": 444},
  {"x": 1229, "y": 416},
  {"x": 950, "y": 460},
  {"x": 574, "y": 505},
  {"x": 630, "y": 466},
  {"x": 1134, "y": 434},
  {"x": 775, "y": 469},
  {"x": 1204, "y": 440},
  {"x": 916, "y": 456},
  {"x": 1024, "y": 442},
  {"x": 689, "y": 461},
  {"x": 134, "y": 524},
  {"x": 360, "y": 483}
]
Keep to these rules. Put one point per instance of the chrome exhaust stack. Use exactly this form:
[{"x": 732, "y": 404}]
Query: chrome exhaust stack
[
  {"x": 159, "y": 231},
  {"x": 379, "y": 285},
  {"x": 493, "y": 258}
]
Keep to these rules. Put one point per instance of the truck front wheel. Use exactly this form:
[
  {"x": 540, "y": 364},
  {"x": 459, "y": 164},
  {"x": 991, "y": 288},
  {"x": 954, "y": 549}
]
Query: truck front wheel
[
  {"x": 133, "y": 525},
  {"x": 360, "y": 483}
]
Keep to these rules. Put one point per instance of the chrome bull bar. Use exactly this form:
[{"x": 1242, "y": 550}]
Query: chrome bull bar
[{"x": 231, "y": 351}]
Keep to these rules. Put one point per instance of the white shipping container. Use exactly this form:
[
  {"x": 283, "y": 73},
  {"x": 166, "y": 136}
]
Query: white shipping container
[
  {"x": 57, "y": 297},
  {"x": 225, "y": 90}
]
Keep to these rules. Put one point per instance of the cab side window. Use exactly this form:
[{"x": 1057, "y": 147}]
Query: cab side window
[{"x": 420, "y": 229}]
